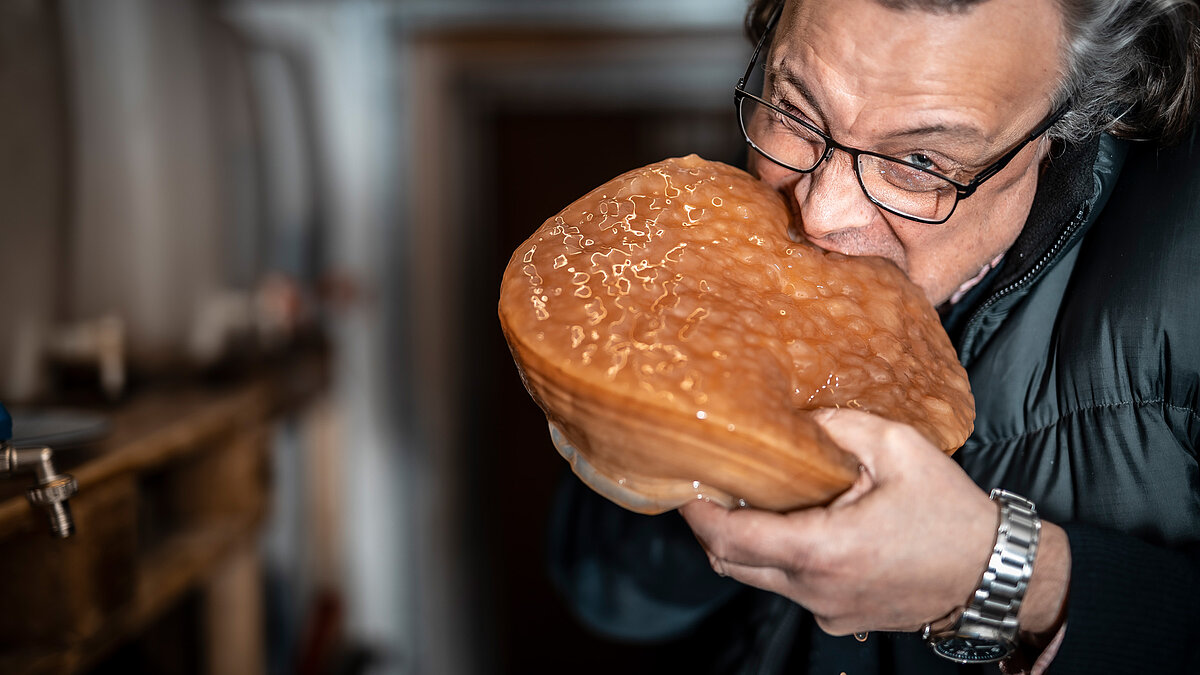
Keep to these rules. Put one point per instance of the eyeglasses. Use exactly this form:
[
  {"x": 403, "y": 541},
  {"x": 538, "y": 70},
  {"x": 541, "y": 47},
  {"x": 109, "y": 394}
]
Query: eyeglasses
[{"x": 895, "y": 185}]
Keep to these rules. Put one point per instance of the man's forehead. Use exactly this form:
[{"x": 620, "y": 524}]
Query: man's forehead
[
  {"x": 995, "y": 63},
  {"x": 933, "y": 127}
]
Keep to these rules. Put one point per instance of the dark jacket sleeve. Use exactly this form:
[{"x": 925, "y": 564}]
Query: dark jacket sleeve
[
  {"x": 630, "y": 576},
  {"x": 1133, "y": 607}
]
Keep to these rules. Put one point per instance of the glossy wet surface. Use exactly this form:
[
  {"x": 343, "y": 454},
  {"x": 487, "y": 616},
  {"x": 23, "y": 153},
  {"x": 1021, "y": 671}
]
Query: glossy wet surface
[{"x": 679, "y": 340}]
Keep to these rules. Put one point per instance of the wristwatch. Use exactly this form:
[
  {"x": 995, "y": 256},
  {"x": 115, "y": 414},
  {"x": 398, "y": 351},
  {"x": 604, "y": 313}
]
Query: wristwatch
[{"x": 986, "y": 629}]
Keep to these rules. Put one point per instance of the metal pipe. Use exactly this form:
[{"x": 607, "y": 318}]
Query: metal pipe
[{"x": 52, "y": 489}]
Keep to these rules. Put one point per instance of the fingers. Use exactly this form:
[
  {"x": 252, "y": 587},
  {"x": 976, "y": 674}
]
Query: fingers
[
  {"x": 895, "y": 549},
  {"x": 734, "y": 541},
  {"x": 772, "y": 579},
  {"x": 751, "y": 538}
]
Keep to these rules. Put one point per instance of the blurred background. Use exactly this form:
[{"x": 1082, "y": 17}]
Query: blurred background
[{"x": 251, "y": 253}]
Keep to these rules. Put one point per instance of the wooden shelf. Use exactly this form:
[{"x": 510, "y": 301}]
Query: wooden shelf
[{"x": 170, "y": 503}]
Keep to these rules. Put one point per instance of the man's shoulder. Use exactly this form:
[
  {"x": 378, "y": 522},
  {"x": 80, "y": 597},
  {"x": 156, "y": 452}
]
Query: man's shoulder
[
  {"x": 1133, "y": 300},
  {"x": 1098, "y": 365},
  {"x": 1139, "y": 265},
  {"x": 1117, "y": 320}
]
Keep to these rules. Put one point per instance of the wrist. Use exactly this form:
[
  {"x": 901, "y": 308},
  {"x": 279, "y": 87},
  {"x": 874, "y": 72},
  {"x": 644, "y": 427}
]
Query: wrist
[
  {"x": 988, "y": 627},
  {"x": 1045, "y": 606}
]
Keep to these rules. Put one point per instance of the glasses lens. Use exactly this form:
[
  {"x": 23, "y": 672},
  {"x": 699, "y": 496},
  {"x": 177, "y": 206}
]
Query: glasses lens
[
  {"x": 780, "y": 137},
  {"x": 906, "y": 190}
]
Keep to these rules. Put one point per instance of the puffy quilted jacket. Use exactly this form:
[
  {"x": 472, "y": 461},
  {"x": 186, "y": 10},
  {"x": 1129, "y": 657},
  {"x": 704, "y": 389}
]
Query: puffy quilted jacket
[{"x": 1083, "y": 350}]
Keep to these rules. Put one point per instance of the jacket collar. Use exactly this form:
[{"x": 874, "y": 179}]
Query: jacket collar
[
  {"x": 1076, "y": 181},
  {"x": 1066, "y": 184}
]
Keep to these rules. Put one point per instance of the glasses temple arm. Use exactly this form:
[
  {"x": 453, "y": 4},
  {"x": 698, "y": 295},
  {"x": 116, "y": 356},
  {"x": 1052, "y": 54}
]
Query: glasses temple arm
[
  {"x": 998, "y": 165},
  {"x": 762, "y": 41}
]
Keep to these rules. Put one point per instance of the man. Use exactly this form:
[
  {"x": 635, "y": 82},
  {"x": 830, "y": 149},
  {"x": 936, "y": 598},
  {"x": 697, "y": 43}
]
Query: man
[{"x": 962, "y": 141}]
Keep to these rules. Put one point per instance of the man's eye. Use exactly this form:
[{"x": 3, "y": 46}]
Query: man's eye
[
  {"x": 794, "y": 111},
  {"x": 921, "y": 161},
  {"x": 794, "y": 127}
]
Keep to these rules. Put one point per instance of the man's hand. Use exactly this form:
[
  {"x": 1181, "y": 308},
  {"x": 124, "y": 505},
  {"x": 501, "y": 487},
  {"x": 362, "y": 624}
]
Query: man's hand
[{"x": 906, "y": 545}]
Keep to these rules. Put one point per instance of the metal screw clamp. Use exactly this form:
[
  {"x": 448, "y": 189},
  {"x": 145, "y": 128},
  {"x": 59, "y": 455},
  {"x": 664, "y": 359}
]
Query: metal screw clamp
[{"x": 56, "y": 491}]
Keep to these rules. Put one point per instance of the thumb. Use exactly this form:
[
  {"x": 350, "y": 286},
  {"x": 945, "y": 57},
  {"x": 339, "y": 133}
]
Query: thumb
[
  {"x": 861, "y": 486},
  {"x": 875, "y": 441}
]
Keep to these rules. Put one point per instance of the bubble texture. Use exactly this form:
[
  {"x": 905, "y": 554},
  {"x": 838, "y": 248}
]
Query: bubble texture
[{"x": 675, "y": 335}]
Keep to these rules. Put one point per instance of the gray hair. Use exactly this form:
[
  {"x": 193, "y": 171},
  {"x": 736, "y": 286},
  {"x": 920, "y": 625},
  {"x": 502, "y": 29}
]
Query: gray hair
[{"x": 1133, "y": 66}]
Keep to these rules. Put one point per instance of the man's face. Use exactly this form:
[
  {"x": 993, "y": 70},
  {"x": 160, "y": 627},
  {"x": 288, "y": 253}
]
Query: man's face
[{"x": 955, "y": 89}]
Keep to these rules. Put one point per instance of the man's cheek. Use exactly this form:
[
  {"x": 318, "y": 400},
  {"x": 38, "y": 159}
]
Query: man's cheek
[{"x": 767, "y": 171}]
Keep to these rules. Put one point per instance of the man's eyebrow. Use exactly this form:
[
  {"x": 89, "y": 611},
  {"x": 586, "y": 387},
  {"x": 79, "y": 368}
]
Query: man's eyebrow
[
  {"x": 961, "y": 133},
  {"x": 800, "y": 86},
  {"x": 953, "y": 131}
]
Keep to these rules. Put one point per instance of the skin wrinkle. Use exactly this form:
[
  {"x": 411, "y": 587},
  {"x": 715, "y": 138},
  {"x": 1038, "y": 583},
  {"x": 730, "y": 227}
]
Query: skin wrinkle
[
  {"x": 864, "y": 91},
  {"x": 941, "y": 135},
  {"x": 930, "y": 77}
]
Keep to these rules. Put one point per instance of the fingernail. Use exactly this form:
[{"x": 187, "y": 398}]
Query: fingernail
[
  {"x": 716, "y": 566},
  {"x": 823, "y": 414}
]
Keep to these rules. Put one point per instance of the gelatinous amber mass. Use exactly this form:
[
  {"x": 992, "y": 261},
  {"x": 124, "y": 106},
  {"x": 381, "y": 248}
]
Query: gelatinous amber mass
[{"x": 679, "y": 341}]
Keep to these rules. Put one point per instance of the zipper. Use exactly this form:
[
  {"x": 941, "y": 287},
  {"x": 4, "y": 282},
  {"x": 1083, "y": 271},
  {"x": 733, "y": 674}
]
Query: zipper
[{"x": 1048, "y": 257}]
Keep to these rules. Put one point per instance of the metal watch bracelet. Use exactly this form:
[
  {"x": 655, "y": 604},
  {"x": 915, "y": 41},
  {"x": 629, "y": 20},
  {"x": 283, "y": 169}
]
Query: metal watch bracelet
[
  {"x": 998, "y": 599},
  {"x": 991, "y": 613}
]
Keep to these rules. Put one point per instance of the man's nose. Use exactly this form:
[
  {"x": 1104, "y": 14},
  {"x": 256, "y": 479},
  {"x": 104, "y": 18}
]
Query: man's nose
[{"x": 831, "y": 199}]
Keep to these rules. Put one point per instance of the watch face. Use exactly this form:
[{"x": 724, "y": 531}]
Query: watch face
[{"x": 972, "y": 650}]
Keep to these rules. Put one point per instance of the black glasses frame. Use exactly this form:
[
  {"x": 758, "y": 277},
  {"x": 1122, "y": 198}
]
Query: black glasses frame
[{"x": 962, "y": 190}]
